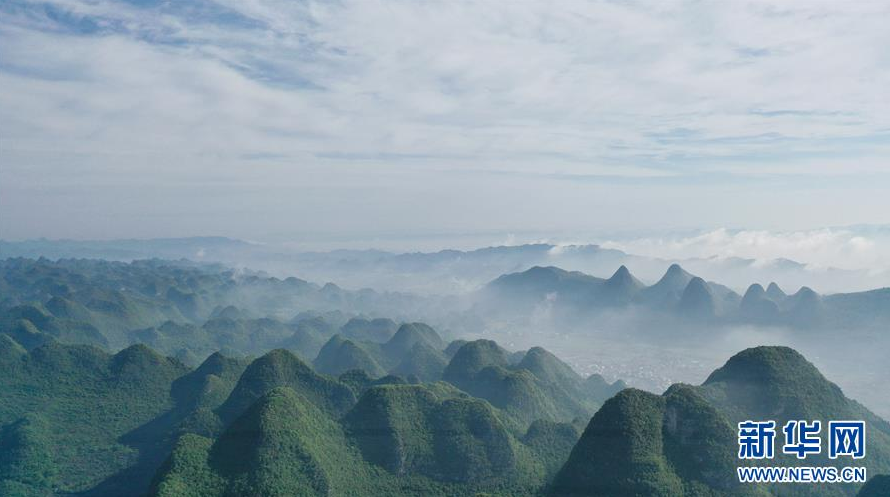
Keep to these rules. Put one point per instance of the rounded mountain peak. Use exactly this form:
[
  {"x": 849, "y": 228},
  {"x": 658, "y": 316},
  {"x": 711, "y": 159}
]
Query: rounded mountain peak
[
  {"x": 623, "y": 277},
  {"x": 766, "y": 364},
  {"x": 774, "y": 292},
  {"x": 674, "y": 277},
  {"x": 755, "y": 290},
  {"x": 697, "y": 299}
]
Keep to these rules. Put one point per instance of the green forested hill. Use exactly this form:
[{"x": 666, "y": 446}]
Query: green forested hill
[
  {"x": 76, "y": 419},
  {"x": 83, "y": 409},
  {"x": 423, "y": 362},
  {"x": 396, "y": 440},
  {"x": 644, "y": 444},
  {"x": 540, "y": 386},
  {"x": 684, "y": 442},
  {"x": 778, "y": 383},
  {"x": 339, "y": 355},
  {"x": 203, "y": 397},
  {"x": 280, "y": 368},
  {"x": 877, "y": 486},
  {"x": 182, "y": 309},
  {"x": 437, "y": 432},
  {"x": 26, "y": 461}
]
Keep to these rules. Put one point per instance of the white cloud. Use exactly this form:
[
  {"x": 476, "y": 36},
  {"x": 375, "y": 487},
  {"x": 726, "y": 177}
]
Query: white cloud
[
  {"x": 256, "y": 94},
  {"x": 844, "y": 248}
]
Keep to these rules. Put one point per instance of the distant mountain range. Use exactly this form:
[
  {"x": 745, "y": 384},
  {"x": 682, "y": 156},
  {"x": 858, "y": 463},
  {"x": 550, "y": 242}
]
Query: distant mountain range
[
  {"x": 178, "y": 307},
  {"x": 683, "y": 295},
  {"x": 445, "y": 271},
  {"x": 182, "y": 305},
  {"x": 113, "y": 383}
]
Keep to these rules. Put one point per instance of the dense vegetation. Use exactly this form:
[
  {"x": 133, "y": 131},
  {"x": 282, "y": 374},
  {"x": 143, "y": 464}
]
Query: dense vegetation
[
  {"x": 780, "y": 384},
  {"x": 876, "y": 487},
  {"x": 182, "y": 309},
  {"x": 684, "y": 442},
  {"x": 77, "y": 419},
  {"x": 85, "y": 417},
  {"x": 331, "y": 403}
]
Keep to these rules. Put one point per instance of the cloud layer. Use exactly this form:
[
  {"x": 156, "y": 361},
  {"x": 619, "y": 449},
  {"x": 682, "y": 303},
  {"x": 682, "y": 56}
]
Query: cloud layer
[
  {"x": 153, "y": 116},
  {"x": 853, "y": 248}
]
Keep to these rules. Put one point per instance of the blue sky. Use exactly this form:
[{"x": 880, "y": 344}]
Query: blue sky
[{"x": 270, "y": 119}]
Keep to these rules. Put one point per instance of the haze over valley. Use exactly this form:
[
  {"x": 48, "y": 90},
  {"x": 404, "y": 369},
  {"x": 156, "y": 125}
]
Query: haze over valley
[
  {"x": 527, "y": 357},
  {"x": 389, "y": 248},
  {"x": 675, "y": 326}
]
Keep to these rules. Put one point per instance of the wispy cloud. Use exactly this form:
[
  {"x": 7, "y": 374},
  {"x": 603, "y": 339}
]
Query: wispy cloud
[
  {"x": 847, "y": 248},
  {"x": 168, "y": 92}
]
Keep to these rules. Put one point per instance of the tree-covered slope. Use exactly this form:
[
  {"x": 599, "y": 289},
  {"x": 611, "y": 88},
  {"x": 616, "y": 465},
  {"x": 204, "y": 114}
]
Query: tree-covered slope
[
  {"x": 408, "y": 335},
  {"x": 599, "y": 390},
  {"x": 281, "y": 368},
  {"x": 284, "y": 445},
  {"x": 482, "y": 369},
  {"x": 877, "y": 486},
  {"x": 551, "y": 442},
  {"x": 642, "y": 444},
  {"x": 438, "y": 432},
  {"x": 26, "y": 463},
  {"x": 778, "y": 383},
  {"x": 208, "y": 385},
  {"x": 379, "y": 330},
  {"x": 422, "y": 362},
  {"x": 340, "y": 355},
  {"x": 32, "y": 325},
  {"x": 91, "y": 402},
  {"x": 115, "y": 304},
  {"x": 685, "y": 441},
  {"x": 549, "y": 368}
]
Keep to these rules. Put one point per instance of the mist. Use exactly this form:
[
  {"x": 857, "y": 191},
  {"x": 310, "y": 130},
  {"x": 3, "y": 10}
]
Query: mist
[
  {"x": 446, "y": 235},
  {"x": 632, "y": 318}
]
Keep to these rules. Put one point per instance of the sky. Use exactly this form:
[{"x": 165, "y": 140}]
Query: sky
[{"x": 276, "y": 120}]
